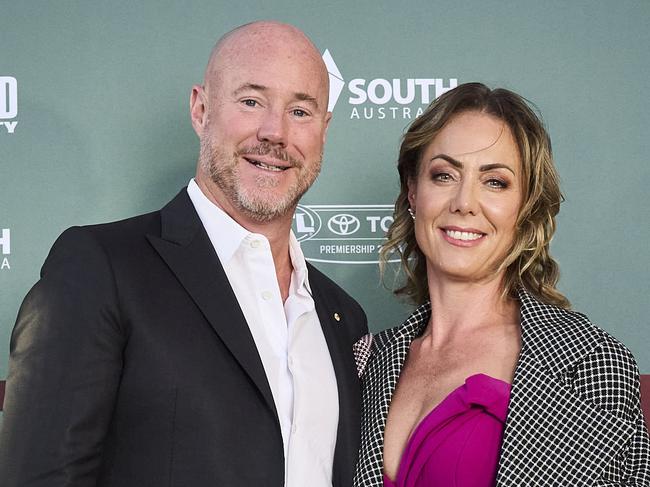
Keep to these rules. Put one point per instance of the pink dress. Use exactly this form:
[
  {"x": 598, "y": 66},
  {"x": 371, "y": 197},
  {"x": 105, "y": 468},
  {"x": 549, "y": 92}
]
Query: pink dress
[{"x": 458, "y": 443}]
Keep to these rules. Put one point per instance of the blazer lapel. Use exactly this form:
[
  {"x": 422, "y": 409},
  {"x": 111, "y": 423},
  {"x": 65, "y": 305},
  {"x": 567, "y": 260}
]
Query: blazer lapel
[
  {"x": 553, "y": 436},
  {"x": 187, "y": 250},
  {"x": 389, "y": 352}
]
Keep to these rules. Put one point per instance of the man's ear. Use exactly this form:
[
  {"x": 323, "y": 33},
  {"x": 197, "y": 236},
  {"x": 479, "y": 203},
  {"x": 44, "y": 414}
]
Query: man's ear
[
  {"x": 328, "y": 117},
  {"x": 198, "y": 109}
]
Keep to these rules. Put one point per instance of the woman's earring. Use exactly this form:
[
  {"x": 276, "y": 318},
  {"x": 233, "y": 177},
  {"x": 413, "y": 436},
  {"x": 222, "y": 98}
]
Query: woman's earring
[{"x": 412, "y": 213}]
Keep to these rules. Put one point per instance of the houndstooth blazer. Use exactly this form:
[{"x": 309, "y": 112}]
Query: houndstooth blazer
[{"x": 574, "y": 416}]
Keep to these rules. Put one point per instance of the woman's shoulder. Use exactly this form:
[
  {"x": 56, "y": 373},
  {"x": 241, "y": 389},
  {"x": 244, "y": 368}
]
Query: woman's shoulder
[
  {"x": 609, "y": 377},
  {"x": 405, "y": 331},
  {"x": 596, "y": 364},
  {"x": 398, "y": 338},
  {"x": 560, "y": 333}
]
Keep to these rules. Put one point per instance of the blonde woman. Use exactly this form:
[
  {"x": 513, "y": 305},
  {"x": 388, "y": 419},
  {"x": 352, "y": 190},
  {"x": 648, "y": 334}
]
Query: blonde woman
[{"x": 493, "y": 380}]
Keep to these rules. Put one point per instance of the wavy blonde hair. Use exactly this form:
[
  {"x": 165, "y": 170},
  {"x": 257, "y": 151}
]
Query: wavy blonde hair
[{"x": 528, "y": 262}]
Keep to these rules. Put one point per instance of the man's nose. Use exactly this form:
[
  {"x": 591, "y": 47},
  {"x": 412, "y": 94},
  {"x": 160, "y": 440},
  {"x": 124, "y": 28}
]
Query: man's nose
[{"x": 273, "y": 128}]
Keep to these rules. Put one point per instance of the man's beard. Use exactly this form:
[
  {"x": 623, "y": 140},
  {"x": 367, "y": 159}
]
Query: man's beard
[{"x": 258, "y": 202}]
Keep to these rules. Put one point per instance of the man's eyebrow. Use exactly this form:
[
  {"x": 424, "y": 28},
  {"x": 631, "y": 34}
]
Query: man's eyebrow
[
  {"x": 249, "y": 86},
  {"x": 307, "y": 98},
  {"x": 485, "y": 167},
  {"x": 255, "y": 87}
]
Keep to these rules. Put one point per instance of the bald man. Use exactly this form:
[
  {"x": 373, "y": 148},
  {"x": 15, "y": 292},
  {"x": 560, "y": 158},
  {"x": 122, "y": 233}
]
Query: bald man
[{"x": 194, "y": 346}]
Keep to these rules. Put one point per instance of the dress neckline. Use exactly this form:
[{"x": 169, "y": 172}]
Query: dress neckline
[{"x": 476, "y": 386}]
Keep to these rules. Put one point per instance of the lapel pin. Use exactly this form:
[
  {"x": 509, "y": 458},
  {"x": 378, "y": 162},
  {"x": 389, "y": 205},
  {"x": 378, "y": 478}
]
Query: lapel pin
[{"x": 337, "y": 317}]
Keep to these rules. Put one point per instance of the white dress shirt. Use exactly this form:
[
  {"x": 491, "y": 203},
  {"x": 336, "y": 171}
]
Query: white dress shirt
[{"x": 288, "y": 338}]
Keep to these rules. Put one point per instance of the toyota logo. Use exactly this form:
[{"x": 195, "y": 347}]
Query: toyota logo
[{"x": 343, "y": 224}]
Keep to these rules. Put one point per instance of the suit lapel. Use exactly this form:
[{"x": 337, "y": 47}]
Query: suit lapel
[
  {"x": 337, "y": 342},
  {"x": 187, "y": 250},
  {"x": 340, "y": 350}
]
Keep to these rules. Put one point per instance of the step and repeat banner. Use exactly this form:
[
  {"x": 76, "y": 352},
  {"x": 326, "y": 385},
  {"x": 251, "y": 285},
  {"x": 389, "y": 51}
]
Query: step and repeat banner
[{"x": 94, "y": 127}]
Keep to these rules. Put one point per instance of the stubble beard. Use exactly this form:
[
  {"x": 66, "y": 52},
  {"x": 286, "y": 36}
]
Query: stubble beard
[{"x": 260, "y": 202}]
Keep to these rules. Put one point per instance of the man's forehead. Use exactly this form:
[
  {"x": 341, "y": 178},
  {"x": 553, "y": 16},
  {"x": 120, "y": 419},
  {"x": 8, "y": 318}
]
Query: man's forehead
[
  {"x": 271, "y": 75},
  {"x": 263, "y": 38},
  {"x": 261, "y": 51}
]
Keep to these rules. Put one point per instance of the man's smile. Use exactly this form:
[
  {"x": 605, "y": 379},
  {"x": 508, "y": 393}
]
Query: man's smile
[{"x": 275, "y": 167}]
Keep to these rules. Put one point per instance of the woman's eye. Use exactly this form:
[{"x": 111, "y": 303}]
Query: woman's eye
[
  {"x": 442, "y": 177},
  {"x": 497, "y": 184}
]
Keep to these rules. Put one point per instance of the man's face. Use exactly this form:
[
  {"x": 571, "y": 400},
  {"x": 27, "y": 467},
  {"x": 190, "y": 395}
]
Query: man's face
[{"x": 265, "y": 127}]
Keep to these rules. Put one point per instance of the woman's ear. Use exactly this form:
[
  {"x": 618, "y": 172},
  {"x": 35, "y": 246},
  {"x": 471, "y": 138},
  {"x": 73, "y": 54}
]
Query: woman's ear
[{"x": 412, "y": 186}]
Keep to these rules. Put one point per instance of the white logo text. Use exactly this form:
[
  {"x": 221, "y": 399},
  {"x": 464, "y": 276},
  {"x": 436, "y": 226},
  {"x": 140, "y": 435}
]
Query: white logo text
[{"x": 8, "y": 103}]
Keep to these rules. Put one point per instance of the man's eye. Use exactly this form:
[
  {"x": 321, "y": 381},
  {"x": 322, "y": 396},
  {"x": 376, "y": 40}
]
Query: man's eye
[
  {"x": 250, "y": 103},
  {"x": 299, "y": 113}
]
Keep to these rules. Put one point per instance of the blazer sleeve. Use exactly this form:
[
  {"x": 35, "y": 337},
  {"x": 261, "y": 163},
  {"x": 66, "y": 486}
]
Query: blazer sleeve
[
  {"x": 64, "y": 369},
  {"x": 609, "y": 378}
]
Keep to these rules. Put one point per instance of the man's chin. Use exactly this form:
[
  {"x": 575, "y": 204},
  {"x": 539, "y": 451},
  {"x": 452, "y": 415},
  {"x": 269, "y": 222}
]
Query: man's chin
[{"x": 266, "y": 210}]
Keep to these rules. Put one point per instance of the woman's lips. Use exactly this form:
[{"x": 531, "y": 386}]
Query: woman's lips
[{"x": 462, "y": 237}]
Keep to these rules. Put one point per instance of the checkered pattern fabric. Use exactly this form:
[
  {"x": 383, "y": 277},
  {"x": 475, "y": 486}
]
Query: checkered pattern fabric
[
  {"x": 361, "y": 350},
  {"x": 574, "y": 416}
]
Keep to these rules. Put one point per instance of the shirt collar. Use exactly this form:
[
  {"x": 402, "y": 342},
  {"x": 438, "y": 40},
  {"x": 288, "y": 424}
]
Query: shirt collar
[
  {"x": 226, "y": 235},
  {"x": 299, "y": 264}
]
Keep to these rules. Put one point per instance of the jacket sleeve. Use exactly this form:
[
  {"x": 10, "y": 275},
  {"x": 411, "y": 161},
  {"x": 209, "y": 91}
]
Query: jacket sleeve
[
  {"x": 64, "y": 369},
  {"x": 610, "y": 379}
]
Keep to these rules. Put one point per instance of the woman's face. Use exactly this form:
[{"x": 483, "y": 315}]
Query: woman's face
[{"x": 466, "y": 198}]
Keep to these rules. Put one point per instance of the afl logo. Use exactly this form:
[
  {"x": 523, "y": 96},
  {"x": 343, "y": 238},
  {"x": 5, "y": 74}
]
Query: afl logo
[
  {"x": 307, "y": 223},
  {"x": 342, "y": 234}
]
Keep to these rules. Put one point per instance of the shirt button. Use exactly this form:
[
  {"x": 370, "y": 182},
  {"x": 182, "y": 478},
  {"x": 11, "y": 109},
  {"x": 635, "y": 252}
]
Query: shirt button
[
  {"x": 266, "y": 295},
  {"x": 255, "y": 244},
  {"x": 294, "y": 428},
  {"x": 290, "y": 362}
]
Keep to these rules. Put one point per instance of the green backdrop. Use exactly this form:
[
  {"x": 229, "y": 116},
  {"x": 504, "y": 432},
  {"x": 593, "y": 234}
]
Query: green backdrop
[{"x": 101, "y": 129}]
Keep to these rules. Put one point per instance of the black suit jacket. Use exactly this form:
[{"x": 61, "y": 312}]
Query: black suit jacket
[{"x": 132, "y": 365}]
